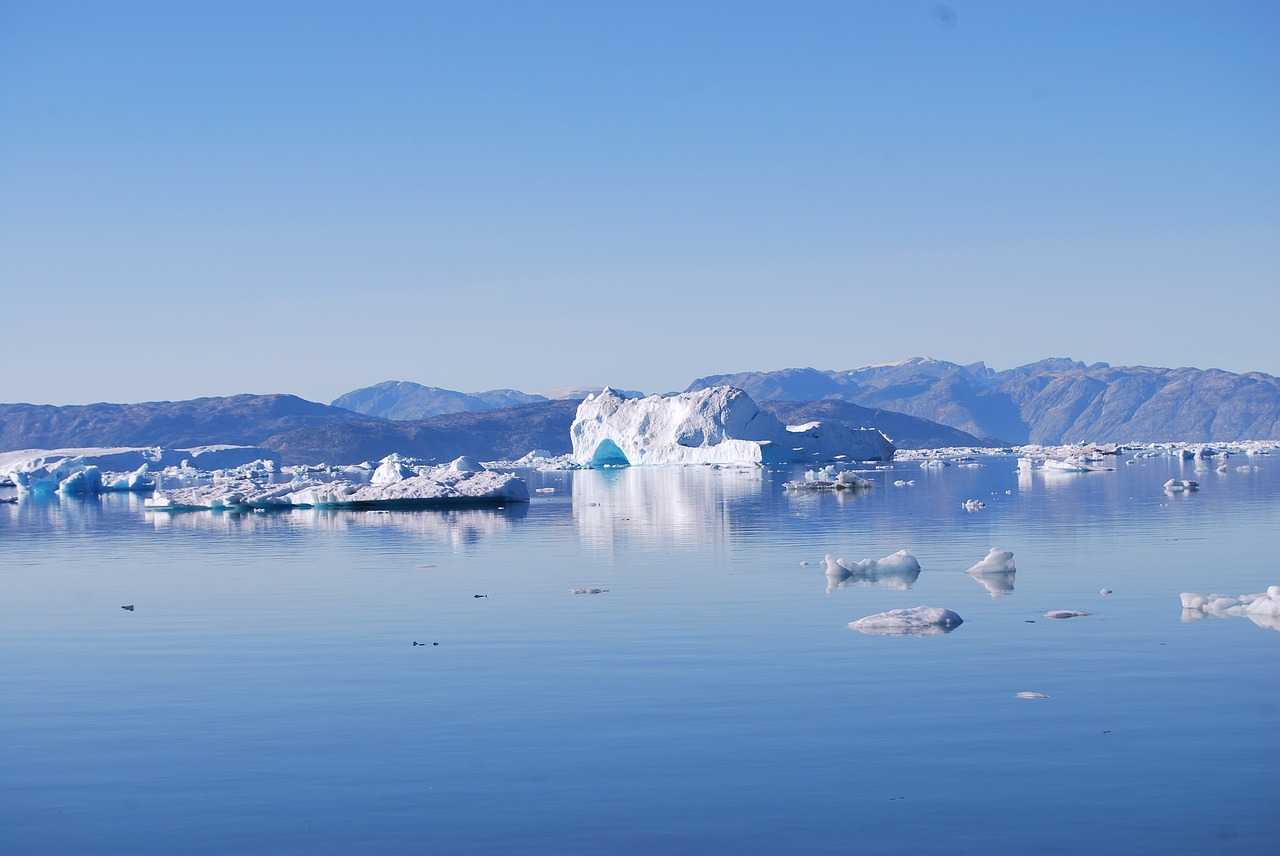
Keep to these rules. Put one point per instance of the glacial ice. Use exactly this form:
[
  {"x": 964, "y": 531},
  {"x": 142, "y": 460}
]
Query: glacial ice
[
  {"x": 916, "y": 621},
  {"x": 720, "y": 425},
  {"x": 898, "y": 571},
  {"x": 1262, "y": 609}
]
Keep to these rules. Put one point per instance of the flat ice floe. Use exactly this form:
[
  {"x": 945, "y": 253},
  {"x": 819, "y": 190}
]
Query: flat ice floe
[
  {"x": 916, "y": 621},
  {"x": 1262, "y": 609},
  {"x": 1066, "y": 613}
]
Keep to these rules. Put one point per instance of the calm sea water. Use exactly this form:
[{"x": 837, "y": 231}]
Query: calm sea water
[{"x": 265, "y": 694}]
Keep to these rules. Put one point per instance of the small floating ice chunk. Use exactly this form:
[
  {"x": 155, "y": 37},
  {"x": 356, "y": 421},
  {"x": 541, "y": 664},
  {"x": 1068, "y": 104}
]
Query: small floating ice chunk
[
  {"x": 1181, "y": 486},
  {"x": 1104, "y": 591},
  {"x": 1066, "y": 613},
  {"x": 916, "y": 621},
  {"x": 1262, "y": 609},
  {"x": 544, "y": 490},
  {"x": 1032, "y": 695},
  {"x": 587, "y": 591},
  {"x": 973, "y": 505},
  {"x": 904, "y": 482},
  {"x": 996, "y": 571},
  {"x": 898, "y": 570},
  {"x": 996, "y": 561}
]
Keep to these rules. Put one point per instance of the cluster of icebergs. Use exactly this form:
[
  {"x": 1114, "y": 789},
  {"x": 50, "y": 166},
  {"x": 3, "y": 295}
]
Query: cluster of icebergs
[
  {"x": 87, "y": 472},
  {"x": 1091, "y": 455},
  {"x": 828, "y": 479},
  {"x": 236, "y": 477},
  {"x": 395, "y": 483}
]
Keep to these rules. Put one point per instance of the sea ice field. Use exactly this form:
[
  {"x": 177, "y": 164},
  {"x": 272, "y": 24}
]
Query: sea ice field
[{"x": 657, "y": 660}]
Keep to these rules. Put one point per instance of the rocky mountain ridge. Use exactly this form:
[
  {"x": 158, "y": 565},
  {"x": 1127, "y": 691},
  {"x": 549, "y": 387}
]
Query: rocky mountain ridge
[{"x": 1052, "y": 401}]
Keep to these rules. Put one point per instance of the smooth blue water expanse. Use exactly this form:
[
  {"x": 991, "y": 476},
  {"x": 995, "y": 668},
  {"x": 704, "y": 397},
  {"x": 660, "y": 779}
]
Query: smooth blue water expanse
[{"x": 265, "y": 694}]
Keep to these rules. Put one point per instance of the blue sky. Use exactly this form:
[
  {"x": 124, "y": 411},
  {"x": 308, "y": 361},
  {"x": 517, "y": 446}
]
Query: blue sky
[{"x": 214, "y": 198}]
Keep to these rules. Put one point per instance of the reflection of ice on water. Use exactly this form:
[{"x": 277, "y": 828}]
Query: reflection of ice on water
[
  {"x": 457, "y": 526},
  {"x": 683, "y": 505}
]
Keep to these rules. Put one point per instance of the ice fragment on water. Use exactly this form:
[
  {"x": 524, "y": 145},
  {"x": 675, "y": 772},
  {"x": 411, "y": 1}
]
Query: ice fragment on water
[{"x": 916, "y": 621}]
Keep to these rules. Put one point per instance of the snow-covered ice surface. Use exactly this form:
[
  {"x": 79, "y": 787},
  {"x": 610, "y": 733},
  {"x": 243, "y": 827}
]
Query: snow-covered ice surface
[
  {"x": 914, "y": 621},
  {"x": 720, "y": 425},
  {"x": 1263, "y": 609}
]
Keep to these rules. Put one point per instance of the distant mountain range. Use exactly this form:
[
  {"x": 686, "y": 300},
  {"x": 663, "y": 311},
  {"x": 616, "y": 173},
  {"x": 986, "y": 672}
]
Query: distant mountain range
[
  {"x": 1053, "y": 401},
  {"x": 304, "y": 432},
  {"x": 406, "y": 400},
  {"x": 918, "y": 403}
]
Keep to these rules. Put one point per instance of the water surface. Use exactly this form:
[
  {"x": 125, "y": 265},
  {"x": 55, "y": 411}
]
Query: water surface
[{"x": 265, "y": 694}]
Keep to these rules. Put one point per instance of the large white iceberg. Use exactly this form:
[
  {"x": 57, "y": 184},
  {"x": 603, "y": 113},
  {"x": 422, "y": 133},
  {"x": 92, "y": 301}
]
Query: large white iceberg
[{"x": 720, "y": 425}]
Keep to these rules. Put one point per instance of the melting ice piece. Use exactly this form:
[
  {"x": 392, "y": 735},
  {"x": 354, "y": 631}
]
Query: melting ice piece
[
  {"x": 1262, "y": 609},
  {"x": 996, "y": 571},
  {"x": 996, "y": 560},
  {"x": 1181, "y": 486},
  {"x": 973, "y": 505},
  {"x": 1066, "y": 613},
  {"x": 587, "y": 591},
  {"x": 897, "y": 570},
  {"x": 1032, "y": 695},
  {"x": 916, "y": 621}
]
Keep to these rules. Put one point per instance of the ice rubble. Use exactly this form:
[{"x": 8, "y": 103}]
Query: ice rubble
[
  {"x": 720, "y": 425},
  {"x": 916, "y": 621},
  {"x": 395, "y": 482},
  {"x": 1262, "y": 609},
  {"x": 898, "y": 570}
]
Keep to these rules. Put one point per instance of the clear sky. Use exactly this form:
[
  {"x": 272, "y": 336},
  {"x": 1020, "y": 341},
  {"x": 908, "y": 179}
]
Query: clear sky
[{"x": 207, "y": 198}]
